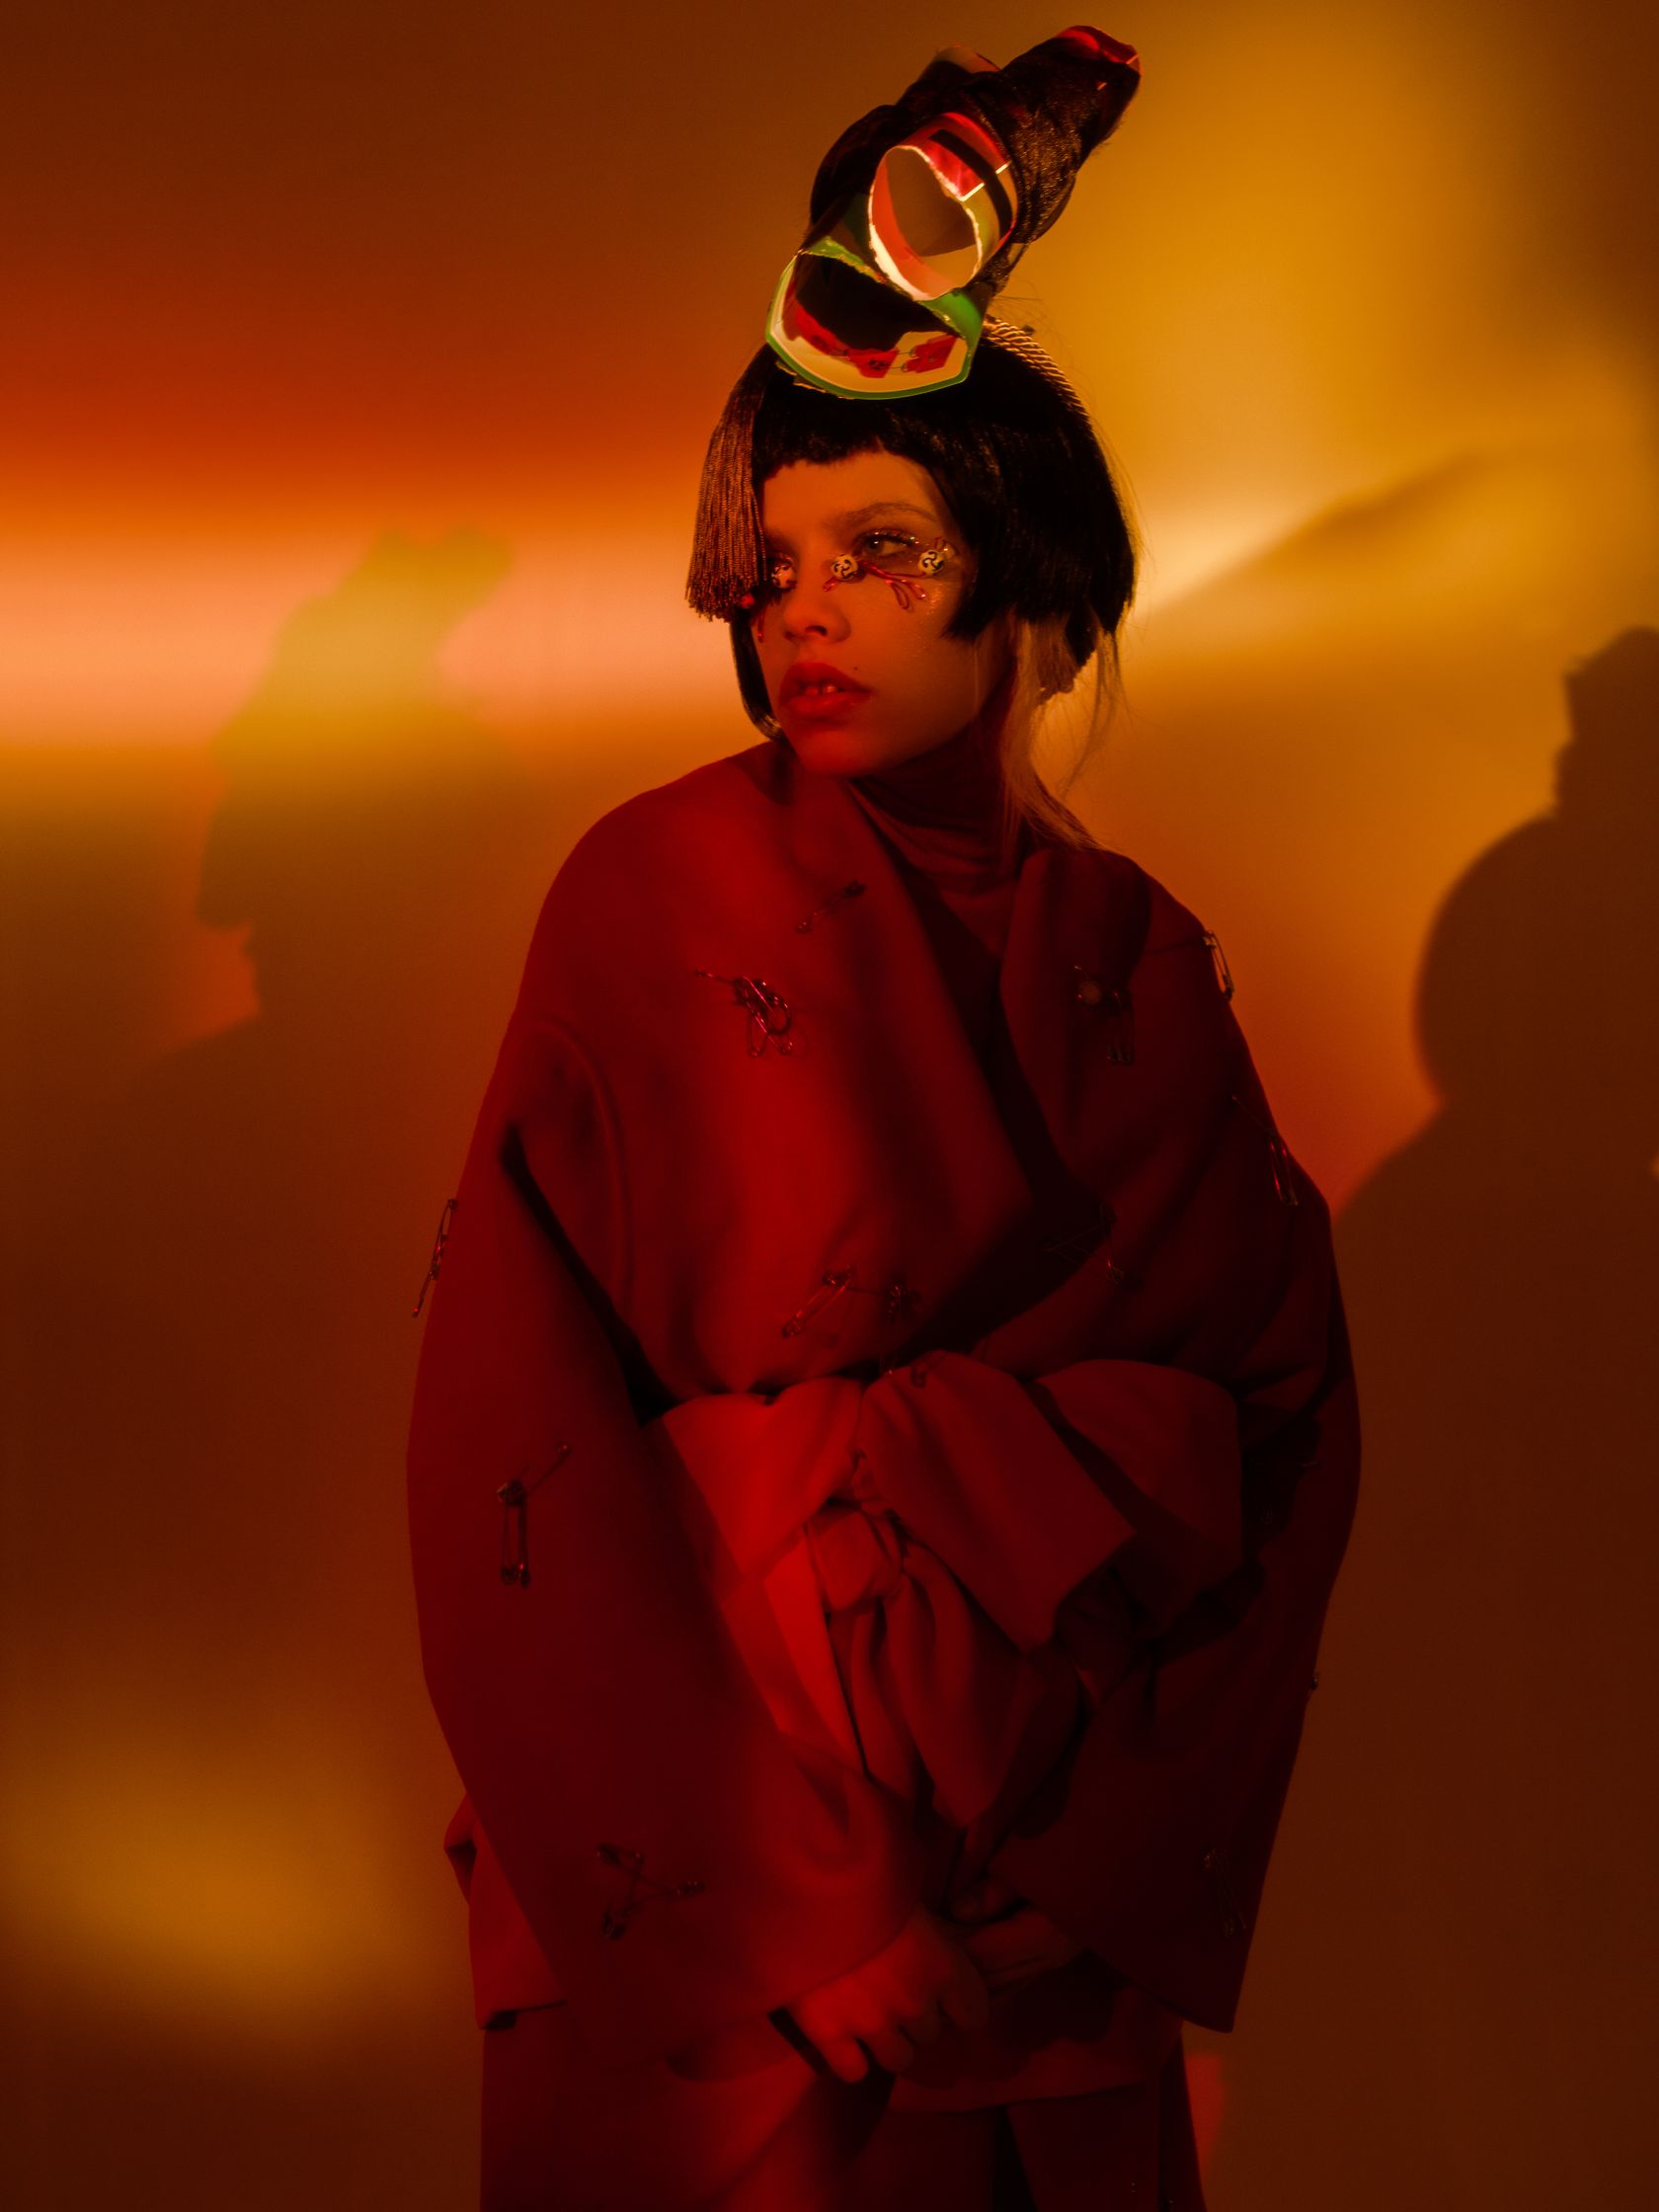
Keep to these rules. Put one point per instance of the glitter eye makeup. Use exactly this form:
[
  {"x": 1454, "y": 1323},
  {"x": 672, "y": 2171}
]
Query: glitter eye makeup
[{"x": 901, "y": 568}]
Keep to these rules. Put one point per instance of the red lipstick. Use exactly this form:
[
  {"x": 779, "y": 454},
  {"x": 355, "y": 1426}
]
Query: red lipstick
[{"x": 804, "y": 696}]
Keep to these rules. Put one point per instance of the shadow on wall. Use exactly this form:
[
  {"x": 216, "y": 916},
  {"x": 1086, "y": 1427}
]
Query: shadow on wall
[
  {"x": 1450, "y": 2002},
  {"x": 1319, "y": 739},
  {"x": 242, "y": 1948}
]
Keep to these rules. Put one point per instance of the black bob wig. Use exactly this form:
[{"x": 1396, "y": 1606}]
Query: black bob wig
[{"x": 1015, "y": 459}]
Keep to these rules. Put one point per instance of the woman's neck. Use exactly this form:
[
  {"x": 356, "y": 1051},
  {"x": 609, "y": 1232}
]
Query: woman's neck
[
  {"x": 958, "y": 785},
  {"x": 947, "y": 802}
]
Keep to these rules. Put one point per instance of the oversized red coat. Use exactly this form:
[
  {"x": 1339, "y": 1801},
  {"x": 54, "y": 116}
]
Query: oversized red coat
[{"x": 838, "y": 1464}]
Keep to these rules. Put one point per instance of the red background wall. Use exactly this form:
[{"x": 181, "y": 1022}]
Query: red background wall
[{"x": 358, "y": 365}]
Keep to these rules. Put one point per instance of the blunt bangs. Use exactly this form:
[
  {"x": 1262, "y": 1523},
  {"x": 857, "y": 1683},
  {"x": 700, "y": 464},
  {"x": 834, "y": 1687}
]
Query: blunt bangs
[{"x": 1013, "y": 454}]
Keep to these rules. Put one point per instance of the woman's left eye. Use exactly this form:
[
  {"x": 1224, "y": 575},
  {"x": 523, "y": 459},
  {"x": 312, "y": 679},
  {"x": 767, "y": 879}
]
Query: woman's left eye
[{"x": 887, "y": 537}]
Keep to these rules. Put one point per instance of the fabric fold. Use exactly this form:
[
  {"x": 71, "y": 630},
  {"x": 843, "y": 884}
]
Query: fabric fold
[{"x": 946, "y": 1519}]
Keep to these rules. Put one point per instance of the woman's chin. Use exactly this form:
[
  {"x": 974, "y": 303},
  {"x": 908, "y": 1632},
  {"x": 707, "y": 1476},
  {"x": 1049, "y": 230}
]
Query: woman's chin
[{"x": 828, "y": 748}]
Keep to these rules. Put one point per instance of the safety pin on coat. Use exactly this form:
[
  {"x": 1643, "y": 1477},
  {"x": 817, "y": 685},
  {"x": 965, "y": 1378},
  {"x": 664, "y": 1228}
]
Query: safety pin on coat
[
  {"x": 834, "y": 1281},
  {"x": 898, "y": 1299},
  {"x": 847, "y": 891},
  {"x": 1224, "y": 974},
  {"x": 1278, "y": 1152},
  {"x": 437, "y": 1260},
  {"x": 642, "y": 1891},
  {"x": 770, "y": 1013},
  {"x": 1117, "y": 1014},
  {"x": 515, "y": 1498}
]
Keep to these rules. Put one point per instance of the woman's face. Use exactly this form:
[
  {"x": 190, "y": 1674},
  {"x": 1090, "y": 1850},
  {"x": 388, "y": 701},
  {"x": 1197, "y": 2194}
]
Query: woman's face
[{"x": 910, "y": 688}]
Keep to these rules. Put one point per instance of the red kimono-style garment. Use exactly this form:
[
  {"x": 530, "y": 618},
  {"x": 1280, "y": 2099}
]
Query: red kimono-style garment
[{"x": 886, "y": 1413}]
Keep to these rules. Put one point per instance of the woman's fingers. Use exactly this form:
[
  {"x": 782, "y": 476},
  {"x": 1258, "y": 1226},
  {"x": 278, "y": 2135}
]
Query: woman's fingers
[
  {"x": 1015, "y": 1949},
  {"x": 843, "y": 2057},
  {"x": 896, "y": 2001}
]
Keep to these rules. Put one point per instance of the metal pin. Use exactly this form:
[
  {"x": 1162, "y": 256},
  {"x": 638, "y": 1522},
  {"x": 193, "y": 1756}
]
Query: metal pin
[
  {"x": 437, "y": 1260},
  {"x": 1116, "y": 1011},
  {"x": 835, "y": 1283},
  {"x": 1224, "y": 974},
  {"x": 1283, "y": 1181},
  {"x": 1117, "y": 1015},
  {"x": 641, "y": 1890},
  {"x": 1278, "y": 1152},
  {"x": 1087, "y": 1233},
  {"x": 847, "y": 891},
  {"x": 898, "y": 1299},
  {"x": 1234, "y": 1921},
  {"x": 769, "y": 1014},
  {"x": 514, "y": 1496},
  {"x": 514, "y": 1558}
]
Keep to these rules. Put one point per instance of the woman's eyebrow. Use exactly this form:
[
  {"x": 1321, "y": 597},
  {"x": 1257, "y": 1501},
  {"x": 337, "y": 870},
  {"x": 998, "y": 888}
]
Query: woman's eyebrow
[{"x": 850, "y": 515}]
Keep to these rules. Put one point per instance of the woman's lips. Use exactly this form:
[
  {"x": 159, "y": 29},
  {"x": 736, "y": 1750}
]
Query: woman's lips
[
  {"x": 817, "y": 691},
  {"x": 824, "y": 706}
]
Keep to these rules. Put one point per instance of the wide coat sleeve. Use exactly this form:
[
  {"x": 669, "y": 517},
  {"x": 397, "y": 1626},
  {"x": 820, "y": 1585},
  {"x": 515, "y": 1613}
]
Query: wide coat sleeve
[
  {"x": 683, "y": 1864},
  {"x": 1150, "y": 1842},
  {"x": 1226, "y": 1458},
  {"x": 1227, "y": 1513}
]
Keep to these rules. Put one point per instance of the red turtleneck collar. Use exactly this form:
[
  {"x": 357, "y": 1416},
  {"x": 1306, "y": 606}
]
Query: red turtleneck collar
[{"x": 943, "y": 809}]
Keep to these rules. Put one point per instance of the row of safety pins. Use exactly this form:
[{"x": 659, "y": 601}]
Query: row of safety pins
[{"x": 771, "y": 1019}]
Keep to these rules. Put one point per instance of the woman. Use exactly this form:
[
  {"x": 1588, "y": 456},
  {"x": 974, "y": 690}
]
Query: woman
[{"x": 884, "y": 1437}]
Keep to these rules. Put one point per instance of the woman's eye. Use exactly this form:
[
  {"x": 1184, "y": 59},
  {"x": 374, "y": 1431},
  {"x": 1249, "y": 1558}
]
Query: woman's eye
[{"x": 888, "y": 537}]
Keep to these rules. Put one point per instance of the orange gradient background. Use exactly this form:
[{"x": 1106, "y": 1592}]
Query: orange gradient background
[{"x": 358, "y": 365}]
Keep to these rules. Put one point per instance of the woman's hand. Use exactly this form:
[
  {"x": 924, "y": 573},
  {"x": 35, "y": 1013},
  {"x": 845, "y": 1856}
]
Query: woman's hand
[
  {"x": 893, "y": 2000},
  {"x": 1011, "y": 1942}
]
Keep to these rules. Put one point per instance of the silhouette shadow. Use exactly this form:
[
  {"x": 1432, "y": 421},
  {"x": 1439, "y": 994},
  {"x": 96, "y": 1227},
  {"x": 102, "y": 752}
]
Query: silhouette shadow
[
  {"x": 1447, "y": 2006},
  {"x": 1319, "y": 739},
  {"x": 242, "y": 1940}
]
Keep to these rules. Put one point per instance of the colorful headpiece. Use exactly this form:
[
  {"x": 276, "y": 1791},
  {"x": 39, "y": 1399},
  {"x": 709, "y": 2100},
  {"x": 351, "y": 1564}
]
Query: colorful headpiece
[{"x": 921, "y": 211}]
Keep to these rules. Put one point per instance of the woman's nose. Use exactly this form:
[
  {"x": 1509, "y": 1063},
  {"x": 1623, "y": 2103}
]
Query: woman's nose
[{"x": 812, "y": 609}]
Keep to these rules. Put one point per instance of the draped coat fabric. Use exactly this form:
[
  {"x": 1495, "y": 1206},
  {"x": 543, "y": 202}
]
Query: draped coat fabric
[{"x": 915, "y": 1460}]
